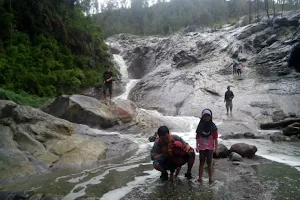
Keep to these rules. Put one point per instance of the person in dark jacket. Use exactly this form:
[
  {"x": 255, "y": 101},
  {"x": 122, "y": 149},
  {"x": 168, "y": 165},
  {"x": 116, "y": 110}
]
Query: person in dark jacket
[
  {"x": 163, "y": 153},
  {"x": 228, "y": 99},
  {"x": 108, "y": 79}
]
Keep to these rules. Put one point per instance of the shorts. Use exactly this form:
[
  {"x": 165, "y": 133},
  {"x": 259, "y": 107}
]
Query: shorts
[
  {"x": 206, "y": 155},
  {"x": 107, "y": 86},
  {"x": 229, "y": 104},
  {"x": 171, "y": 166}
]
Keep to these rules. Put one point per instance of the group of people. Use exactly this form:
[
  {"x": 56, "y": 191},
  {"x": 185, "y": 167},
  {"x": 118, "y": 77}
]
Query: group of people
[
  {"x": 170, "y": 152},
  {"x": 236, "y": 67}
]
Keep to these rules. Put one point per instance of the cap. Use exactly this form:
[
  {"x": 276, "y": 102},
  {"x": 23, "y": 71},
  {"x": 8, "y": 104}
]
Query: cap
[{"x": 206, "y": 112}]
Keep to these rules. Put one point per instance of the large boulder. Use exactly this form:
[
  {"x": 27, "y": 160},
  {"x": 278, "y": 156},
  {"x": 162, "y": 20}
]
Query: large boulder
[
  {"x": 245, "y": 150},
  {"x": 278, "y": 115},
  {"x": 292, "y": 129},
  {"x": 89, "y": 111},
  {"x": 34, "y": 142},
  {"x": 223, "y": 151}
]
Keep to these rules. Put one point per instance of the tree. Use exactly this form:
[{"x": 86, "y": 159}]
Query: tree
[
  {"x": 267, "y": 7},
  {"x": 274, "y": 11}
]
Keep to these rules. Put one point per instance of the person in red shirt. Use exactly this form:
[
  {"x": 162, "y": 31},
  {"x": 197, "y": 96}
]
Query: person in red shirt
[{"x": 206, "y": 142}]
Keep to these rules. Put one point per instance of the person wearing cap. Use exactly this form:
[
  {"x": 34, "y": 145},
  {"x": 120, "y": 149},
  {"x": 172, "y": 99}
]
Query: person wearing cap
[
  {"x": 165, "y": 157},
  {"x": 228, "y": 99},
  {"x": 206, "y": 142}
]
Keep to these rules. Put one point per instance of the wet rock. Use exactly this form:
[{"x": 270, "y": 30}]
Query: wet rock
[
  {"x": 13, "y": 195},
  {"x": 35, "y": 142},
  {"x": 245, "y": 150},
  {"x": 249, "y": 135},
  {"x": 292, "y": 129},
  {"x": 271, "y": 40},
  {"x": 183, "y": 58},
  {"x": 223, "y": 151},
  {"x": 86, "y": 110},
  {"x": 13, "y": 163},
  {"x": 278, "y": 115},
  {"x": 141, "y": 62},
  {"x": 36, "y": 197},
  {"x": 114, "y": 50},
  {"x": 235, "y": 157},
  {"x": 52, "y": 197},
  {"x": 294, "y": 58},
  {"x": 232, "y": 136},
  {"x": 278, "y": 137},
  {"x": 291, "y": 114}
]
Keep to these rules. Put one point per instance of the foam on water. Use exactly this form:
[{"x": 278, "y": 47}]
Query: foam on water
[{"x": 138, "y": 182}]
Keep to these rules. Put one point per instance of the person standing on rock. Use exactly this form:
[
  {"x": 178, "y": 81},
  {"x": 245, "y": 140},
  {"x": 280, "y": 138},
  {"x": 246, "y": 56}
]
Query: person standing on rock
[
  {"x": 239, "y": 69},
  {"x": 107, "y": 77},
  {"x": 163, "y": 157},
  {"x": 228, "y": 99},
  {"x": 234, "y": 65},
  {"x": 206, "y": 143}
]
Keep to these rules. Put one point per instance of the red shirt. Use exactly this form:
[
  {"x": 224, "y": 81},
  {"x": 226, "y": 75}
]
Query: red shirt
[{"x": 208, "y": 143}]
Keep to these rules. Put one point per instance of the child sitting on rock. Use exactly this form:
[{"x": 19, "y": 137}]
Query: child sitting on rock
[{"x": 206, "y": 142}]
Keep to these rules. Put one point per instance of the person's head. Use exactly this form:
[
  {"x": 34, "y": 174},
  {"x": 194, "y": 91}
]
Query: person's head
[
  {"x": 206, "y": 115},
  {"x": 107, "y": 69},
  {"x": 228, "y": 88},
  {"x": 163, "y": 134}
]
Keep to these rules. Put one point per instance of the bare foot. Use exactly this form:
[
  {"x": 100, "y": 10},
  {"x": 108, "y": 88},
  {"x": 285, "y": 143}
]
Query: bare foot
[{"x": 210, "y": 181}]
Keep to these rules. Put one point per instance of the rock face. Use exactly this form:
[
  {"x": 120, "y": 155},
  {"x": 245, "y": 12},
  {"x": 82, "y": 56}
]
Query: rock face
[
  {"x": 34, "y": 142},
  {"x": 187, "y": 72},
  {"x": 89, "y": 111},
  {"x": 245, "y": 150}
]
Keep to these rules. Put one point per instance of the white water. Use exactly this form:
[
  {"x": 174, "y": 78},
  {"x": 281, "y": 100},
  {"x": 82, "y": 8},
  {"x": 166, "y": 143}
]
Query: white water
[{"x": 185, "y": 127}]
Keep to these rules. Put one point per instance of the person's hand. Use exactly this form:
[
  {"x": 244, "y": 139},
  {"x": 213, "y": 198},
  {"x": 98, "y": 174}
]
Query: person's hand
[
  {"x": 217, "y": 152},
  {"x": 197, "y": 150}
]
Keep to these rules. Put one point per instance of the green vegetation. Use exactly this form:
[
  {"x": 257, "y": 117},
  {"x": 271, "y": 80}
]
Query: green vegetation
[
  {"x": 48, "y": 48},
  {"x": 150, "y": 17},
  {"x": 23, "y": 98}
]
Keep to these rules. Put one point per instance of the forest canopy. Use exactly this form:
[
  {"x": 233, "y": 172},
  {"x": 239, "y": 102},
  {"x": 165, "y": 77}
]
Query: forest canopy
[
  {"x": 49, "y": 47},
  {"x": 148, "y": 17}
]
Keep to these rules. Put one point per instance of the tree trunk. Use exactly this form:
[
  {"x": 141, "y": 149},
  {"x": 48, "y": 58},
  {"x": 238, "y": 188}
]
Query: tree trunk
[
  {"x": 282, "y": 6},
  {"x": 249, "y": 12},
  {"x": 267, "y": 8},
  {"x": 274, "y": 11}
]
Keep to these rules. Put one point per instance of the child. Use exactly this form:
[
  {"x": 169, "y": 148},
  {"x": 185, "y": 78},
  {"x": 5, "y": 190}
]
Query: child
[{"x": 206, "y": 142}]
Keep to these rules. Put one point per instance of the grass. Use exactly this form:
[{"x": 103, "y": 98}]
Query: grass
[{"x": 23, "y": 98}]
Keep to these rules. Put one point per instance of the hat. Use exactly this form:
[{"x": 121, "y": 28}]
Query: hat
[{"x": 206, "y": 112}]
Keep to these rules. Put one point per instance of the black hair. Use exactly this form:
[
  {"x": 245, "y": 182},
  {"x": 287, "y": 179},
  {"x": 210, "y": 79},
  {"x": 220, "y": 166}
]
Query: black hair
[{"x": 163, "y": 131}]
